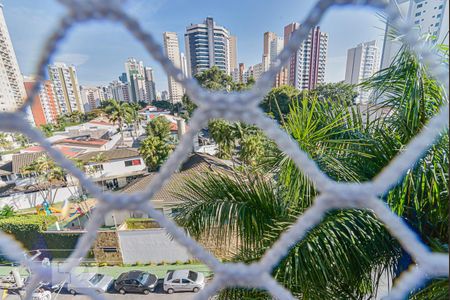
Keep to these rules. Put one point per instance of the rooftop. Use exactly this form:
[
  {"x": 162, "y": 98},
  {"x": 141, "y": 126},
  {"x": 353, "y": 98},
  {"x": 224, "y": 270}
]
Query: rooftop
[
  {"x": 109, "y": 155},
  {"x": 195, "y": 165}
]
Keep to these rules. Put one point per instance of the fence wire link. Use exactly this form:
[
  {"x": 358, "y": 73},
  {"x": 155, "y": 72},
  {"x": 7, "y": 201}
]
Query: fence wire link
[{"x": 242, "y": 107}]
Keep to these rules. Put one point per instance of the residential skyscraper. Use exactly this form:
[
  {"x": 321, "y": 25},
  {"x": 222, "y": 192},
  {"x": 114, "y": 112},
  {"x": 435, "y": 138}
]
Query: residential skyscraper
[
  {"x": 12, "y": 91},
  {"x": 150, "y": 85},
  {"x": 232, "y": 52},
  {"x": 92, "y": 97},
  {"x": 118, "y": 91},
  {"x": 306, "y": 67},
  {"x": 207, "y": 45},
  {"x": 430, "y": 16},
  {"x": 172, "y": 50},
  {"x": 362, "y": 62},
  {"x": 136, "y": 80},
  {"x": 44, "y": 108},
  {"x": 66, "y": 88},
  {"x": 165, "y": 96}
]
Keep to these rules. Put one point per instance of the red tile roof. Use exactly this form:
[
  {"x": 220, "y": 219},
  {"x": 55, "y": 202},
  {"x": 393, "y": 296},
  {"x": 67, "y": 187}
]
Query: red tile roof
[
  {"x": 67, "y": 151},
  {"x": 85, "y": 142}
]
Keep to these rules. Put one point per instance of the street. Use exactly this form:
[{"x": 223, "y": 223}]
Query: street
[{"x": 157, "y": 294}]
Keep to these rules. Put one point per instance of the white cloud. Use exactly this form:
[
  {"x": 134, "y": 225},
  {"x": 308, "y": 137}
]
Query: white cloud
[{"x": 76, "y": 59}]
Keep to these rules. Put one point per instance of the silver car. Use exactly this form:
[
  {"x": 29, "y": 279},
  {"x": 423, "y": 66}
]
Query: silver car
[
  {"x": 183, "y": 281},
  {"x": 90, "y": 281}
]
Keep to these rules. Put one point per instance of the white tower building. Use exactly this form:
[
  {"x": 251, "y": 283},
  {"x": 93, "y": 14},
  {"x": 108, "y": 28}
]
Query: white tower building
[
  {"x": 12, "y": 90},
  {"x": 172, "y": 50},
  {"x": 430, "y": 16},
  {"x": 362, "y": 62}
]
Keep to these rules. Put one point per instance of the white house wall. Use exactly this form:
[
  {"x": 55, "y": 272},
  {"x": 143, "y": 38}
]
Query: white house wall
[
  {"x": 29, "y": 200},
  {"x": 150, "y": 246}
]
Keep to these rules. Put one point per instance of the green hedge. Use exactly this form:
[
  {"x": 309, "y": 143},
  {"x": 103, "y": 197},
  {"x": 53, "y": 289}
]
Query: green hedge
[
  {"x": 141, "y": 223},
  {"x": 27, "y": 229},
  {"x": 61, "y": 244}
]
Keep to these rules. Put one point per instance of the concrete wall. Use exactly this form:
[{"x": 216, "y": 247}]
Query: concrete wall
[
  {"x": 150, "y": 246},
  {"x": 28, "y": 200}
]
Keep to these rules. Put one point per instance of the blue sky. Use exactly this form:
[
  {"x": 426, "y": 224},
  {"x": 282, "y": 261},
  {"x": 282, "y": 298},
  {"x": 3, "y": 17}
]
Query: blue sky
[{"x": 100, "y": 49}]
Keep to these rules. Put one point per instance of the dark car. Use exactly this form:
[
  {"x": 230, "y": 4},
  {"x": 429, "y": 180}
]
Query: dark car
[{"x": 136, "y": 282}]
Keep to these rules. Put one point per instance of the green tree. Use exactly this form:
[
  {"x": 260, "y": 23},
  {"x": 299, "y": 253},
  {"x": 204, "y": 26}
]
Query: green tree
[
  {"x": 163, "y": 104},
  {"x": 155, "y": 152},
  {"x": 346, "y": 254},
  {"x": 7, "y": 211},
  {"x": 159, "y": 127},
  {"x": 340, "y": 92},
  {"x": 47, "y": 129},
  {"x": 48, "y": 176},
  {"x": 21, "y": 139},
  {"x": 277, "y": 102},
  {"x": 5, "y": 143},
  {"x": 117, "y": 112},
  {"x": 222, "y": 133}
]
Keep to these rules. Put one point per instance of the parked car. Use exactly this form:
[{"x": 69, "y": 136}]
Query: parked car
[
  {"x": 183, "y": 281},
  {"x": 136, "y": 282},
  {"x": 95, "y": 281}
]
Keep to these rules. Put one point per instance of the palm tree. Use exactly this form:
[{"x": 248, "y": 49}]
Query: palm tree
[
  {"x": 348, "y": 252},
  {"x": 4, "y": 142},
  {"x": 134, "y": 118},
  {"x": 118, "y": 112},
  {"x": 47, "y": 174}
]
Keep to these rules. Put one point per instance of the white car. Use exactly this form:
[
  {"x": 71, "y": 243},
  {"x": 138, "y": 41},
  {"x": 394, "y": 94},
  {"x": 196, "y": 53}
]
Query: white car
[
  {"x": 183, "y": 281},
  {"x": 90, "y": 281}
]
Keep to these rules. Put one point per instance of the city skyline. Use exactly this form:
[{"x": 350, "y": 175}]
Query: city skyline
[{"x": 100, "y": 62}]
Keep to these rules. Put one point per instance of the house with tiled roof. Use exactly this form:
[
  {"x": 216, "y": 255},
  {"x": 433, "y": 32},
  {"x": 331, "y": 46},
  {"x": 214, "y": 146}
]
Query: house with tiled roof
[
  {"x": 165, "y": 199},
  {"x": 115, "y": 168}
]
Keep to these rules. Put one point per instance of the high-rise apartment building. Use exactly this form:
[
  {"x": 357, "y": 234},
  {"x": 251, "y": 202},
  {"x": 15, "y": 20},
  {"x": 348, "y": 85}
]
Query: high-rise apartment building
[
  {"x": 172, "y": 50},
  {"x": 430, "y": 16},
  {"x": 232, "y": 52},
  {"x": 118, "y": 91},
  {"x": 66, "y": 88},
  {"x": 44, "y": 108},
  {"x": 362, "y": 62},
  {"x": 306, "y": 67},
  {"x": 92, "y": 97},
  {"x": 207, "y": 45},
  {"x": 136, "y": 80},
  {"x": 149, "y": 85},
  {"x": 272, "y": 47},
  {"x": 165, "y": 96},
  {"x": 12, "y": 91}
]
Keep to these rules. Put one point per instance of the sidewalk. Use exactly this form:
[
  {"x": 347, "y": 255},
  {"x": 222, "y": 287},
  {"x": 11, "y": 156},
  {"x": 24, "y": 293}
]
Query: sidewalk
[{"x": 159, "y": 271}]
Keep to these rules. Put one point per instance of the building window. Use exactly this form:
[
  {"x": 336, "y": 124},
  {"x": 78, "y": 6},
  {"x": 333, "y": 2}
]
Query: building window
[
  {"x": 437, "y": 24},
  {"x": 134, "y": 162},
  {"x": 441, "y": 6},
  {"x": 417, "y": 22},
  {"x": 109, "y": 249},
  {"x": 418, "y": 14},
  {"x": 419, "y": 5}
]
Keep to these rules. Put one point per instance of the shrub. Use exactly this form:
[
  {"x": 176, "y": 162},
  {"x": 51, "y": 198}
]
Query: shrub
[
  {"x": 141, "y": 223},
  {"x": 27, "y": 229}
]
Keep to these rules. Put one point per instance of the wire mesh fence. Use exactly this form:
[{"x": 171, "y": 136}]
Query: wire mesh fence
[{"x": 243, "y": 107}]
